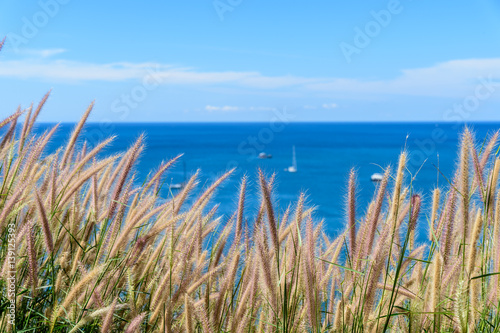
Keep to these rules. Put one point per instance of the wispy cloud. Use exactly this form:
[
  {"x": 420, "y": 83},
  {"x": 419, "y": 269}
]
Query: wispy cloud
[
  {"x": 44, "y": 53},
  {"x": 261, "y": 108},
  {"x": 447, "y": 79},
  {"x": 452, "y": 78},
  {"x": 77, "y": 71},
  {"x": 329, "y": 106},
  {"x": 221, "y": 108},
  {"x": 322, "y": 106},
  {"x": 229, "y": 108}
]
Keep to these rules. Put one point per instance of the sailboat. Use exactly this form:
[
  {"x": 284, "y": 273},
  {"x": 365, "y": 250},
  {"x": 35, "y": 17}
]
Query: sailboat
[
  {"x": 178, "y": 186},
  {"x": 293, "y": 167},
  {"x": 264, "y": 155},
  {"x": 377, "y": 177}
]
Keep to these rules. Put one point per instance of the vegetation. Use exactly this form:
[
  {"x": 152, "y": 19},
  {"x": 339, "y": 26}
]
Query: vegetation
[{"x": 96, "y": 253}]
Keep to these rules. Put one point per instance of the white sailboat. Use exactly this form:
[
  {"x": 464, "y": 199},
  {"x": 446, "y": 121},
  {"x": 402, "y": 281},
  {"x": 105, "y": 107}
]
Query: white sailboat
[
  {"x": 178, "y": 186},
  {"x": 293, "y": 167}
]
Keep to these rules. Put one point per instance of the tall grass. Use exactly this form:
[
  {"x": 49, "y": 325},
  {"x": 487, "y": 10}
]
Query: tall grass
[{"x": 96, "y": 253}]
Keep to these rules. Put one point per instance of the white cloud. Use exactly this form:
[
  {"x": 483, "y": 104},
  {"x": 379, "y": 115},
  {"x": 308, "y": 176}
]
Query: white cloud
[
  {"x": 228, "y": 108},
  {"x": 448, "y": 79},
  {"x": 221, "y": 108},
  {"x": 324, "y": 106},
  {"x": 45, "y": 53},
  {"x": 261, "y": 108},
  {"x": 329, "y": 106},
  {"x": 77, "y": 71}
]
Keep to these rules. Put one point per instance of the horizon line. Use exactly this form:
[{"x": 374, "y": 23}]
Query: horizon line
[{"x": 289, "y": 122}]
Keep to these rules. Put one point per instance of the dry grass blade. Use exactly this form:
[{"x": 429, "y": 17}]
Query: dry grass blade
[
  {"x": 241, "y": 208},
  {"x": 351, "y": 211},
  {"x": 32, "y": 257},
  {"x": 270, "y": 212},
  {"x": 37, "y": 111},
  {"x": 11, "y": 118},
  {"x": 76, "y": 290},
  {"x": 10, "y": 133},
  {"x": 74, "y": 136},
  {"x": 161, "y": 171},
  {"x": 107, "y": 321},
  {"x": 135, "y": 323},
  {"x": 47, "y": 233},
  {"x": 134, "y": 152}
]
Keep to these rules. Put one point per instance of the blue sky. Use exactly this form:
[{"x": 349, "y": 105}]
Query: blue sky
[{"x": 246, "y": 60}]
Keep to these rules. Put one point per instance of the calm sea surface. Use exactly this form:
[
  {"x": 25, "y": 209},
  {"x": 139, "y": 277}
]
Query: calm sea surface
[{"x": 325, "y": 153}]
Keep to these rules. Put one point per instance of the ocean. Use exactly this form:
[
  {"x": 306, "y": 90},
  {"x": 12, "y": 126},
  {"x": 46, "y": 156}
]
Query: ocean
[{"x": 325, "y": 152}]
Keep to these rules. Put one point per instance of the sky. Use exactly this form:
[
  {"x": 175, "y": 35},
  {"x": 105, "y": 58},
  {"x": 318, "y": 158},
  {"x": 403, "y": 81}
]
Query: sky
[{"x": 252, "y": 60}]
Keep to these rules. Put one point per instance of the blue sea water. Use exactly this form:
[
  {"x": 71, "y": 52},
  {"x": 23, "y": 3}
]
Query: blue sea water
[{"x": 325, "y": 153}]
